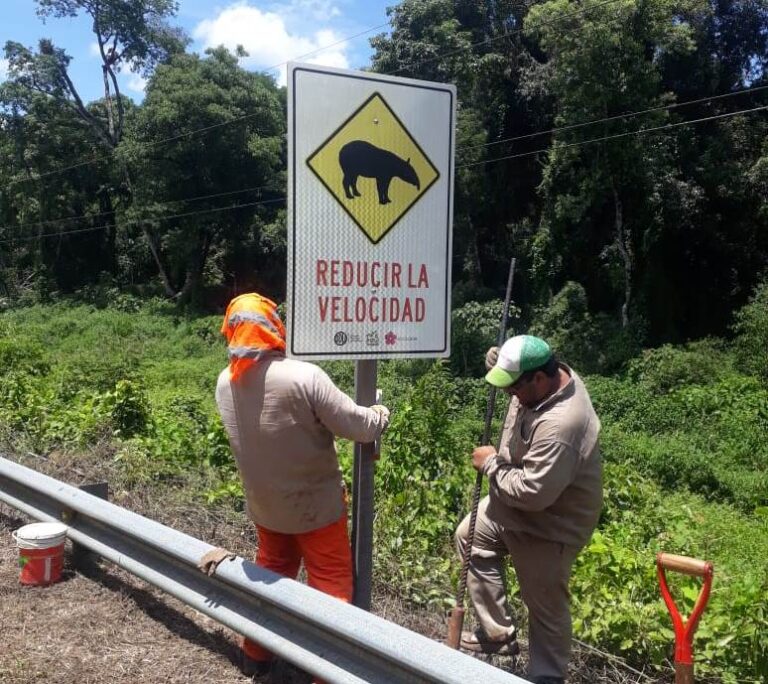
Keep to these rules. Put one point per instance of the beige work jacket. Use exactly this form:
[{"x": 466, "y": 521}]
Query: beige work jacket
[
  {"x": 547, "y": 478},
  {"x": 281, "y": 418}
]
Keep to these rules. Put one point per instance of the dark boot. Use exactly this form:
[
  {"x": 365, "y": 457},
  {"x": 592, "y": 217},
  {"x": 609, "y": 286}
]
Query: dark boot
[{"x": 257, "y": 669}]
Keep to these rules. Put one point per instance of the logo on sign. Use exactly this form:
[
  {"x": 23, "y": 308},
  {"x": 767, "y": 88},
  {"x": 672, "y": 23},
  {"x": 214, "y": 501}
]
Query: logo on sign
[
  {"x": 340, "y": 338},
  {"x": 372, "y": 339},
  {"x": 374, "y": 168}
]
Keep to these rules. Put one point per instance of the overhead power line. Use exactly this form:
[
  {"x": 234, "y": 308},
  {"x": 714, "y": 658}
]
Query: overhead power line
[
  {"x": 66, "y": 219},
  {"x": 626, "y": 115},
  {"x": 442, "y": 55},
  {"x": 94, "y": 160},
  {"x": 328, "y": 47},
  {"x": 151, "y": 143},
  {"x": 641, "y": 131},
  {"x": 148, "y": 219}
]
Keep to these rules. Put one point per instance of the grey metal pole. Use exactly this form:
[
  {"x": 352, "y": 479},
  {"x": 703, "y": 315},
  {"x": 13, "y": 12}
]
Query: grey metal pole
[
  {"x": 362, "y": 492},
  {"x": 82, "y": 558},
  {"x": 456, "y": 618}
]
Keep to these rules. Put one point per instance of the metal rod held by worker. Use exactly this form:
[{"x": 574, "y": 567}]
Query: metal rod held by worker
[{"x": 456, "y": 619}]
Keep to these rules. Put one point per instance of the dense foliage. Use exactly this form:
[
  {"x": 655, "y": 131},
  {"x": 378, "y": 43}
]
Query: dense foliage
[
  {"x": 617, "y": 148},
  {"x": 683, "y": 439}
]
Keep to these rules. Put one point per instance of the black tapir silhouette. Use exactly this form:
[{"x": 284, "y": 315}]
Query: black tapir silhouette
[{"x": 360, "y": 158}]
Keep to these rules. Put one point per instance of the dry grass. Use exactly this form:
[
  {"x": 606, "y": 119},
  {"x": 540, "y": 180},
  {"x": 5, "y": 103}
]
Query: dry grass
[{"x": 108, "y": 626}]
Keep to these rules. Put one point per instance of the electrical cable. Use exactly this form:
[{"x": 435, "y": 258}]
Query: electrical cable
[
  {"x": 655, "y": 129},
  {"x": 151, "y": 219},
  {"x": 615, "y": 136},
  {"x": 743, "y": 91},
  {"x": 327, "y": 47},
  {"x": 93, "y": 160},
  {"x": 109, "y": 213}
]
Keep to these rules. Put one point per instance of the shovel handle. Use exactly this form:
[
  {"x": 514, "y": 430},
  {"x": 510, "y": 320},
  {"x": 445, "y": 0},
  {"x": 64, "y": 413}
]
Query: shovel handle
[
  {"x": 684, "y": 629},
  {"x": 684, "y": 564}
]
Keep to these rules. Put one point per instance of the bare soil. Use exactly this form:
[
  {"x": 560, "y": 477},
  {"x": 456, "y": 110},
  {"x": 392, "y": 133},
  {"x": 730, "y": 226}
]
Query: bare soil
[{"x": 109, "y": 626}]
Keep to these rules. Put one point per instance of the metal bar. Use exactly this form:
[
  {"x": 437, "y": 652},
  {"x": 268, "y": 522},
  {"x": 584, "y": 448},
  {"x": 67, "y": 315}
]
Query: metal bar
[
  {"x": 456, "y": 619},
  {"x": 325, "y": 637},
  {"x": 362, "y": 492},
  {"x": 82, "y": 558}
]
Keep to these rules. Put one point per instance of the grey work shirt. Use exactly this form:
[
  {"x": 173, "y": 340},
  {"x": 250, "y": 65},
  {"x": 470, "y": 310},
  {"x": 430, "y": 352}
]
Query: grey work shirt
[
  {"x": 281, "y": 417},
  {"x": 547, "y": 478}
]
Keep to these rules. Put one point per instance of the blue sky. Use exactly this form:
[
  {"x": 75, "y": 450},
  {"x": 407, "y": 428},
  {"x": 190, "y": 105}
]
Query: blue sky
[{"x": 271, "y": 31}]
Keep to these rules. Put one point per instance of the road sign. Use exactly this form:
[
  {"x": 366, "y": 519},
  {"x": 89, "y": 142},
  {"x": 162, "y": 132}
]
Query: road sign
[{"x": 370, "y": 214}]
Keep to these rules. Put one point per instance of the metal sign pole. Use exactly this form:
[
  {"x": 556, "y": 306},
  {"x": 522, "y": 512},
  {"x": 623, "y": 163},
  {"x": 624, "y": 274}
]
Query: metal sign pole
[{"x": 362, "y": 492}]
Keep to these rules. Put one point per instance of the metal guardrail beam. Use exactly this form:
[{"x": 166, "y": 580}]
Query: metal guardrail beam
[{"x": 332, "y": 640}]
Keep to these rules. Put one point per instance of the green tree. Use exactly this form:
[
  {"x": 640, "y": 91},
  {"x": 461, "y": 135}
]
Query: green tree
[
  {"x": 604, "y": 203},
  {"x": 39, "y": 253},
  {"x": 131, "y": 34},
  {"x": 240, "y": 117},
  {"x": 478, "y": 45}
]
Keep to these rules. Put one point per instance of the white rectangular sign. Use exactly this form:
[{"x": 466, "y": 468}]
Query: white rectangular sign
[{"x": 370, "y": 214}]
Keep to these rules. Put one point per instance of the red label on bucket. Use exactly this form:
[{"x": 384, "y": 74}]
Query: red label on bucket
[{"x": 41, "y": 566}]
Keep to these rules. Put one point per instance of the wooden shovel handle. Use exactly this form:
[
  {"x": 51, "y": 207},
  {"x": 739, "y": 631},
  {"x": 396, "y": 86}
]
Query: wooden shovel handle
[{"x": 684, "y": 564}]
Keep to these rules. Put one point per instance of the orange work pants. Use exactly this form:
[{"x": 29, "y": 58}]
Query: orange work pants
[{"x": 327, "y": 558}]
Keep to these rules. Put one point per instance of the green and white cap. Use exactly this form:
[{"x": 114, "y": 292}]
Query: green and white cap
[{"x": 517, "y": 355}]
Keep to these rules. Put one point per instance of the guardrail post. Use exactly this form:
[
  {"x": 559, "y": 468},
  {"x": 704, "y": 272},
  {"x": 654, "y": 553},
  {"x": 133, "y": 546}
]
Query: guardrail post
[{"x": 82, "y": 558}]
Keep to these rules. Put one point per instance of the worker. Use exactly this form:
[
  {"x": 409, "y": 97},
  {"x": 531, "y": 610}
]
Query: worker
[
  {"x": 281, "y": 416},
  {"x": 545, "y": 496}
]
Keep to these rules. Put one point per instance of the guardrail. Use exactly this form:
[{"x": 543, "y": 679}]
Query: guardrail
[{"x": 325, "y": 637}]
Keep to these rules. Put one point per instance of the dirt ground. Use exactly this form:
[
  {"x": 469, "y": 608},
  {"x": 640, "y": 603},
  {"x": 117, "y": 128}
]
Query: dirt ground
[{"x": 109, "y": 626}]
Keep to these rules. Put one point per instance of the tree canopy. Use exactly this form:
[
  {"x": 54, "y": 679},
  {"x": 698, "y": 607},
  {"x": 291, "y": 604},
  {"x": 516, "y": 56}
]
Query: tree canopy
[{"x": 618, "y": 148}]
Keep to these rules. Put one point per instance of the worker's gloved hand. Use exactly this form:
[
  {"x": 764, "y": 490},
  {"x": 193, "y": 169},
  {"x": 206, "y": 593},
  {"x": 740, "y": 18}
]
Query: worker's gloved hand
[
  {"x": 383, "y": 411},
  {"x": 491, "y": 357},
  {"x": 210, "y": 561}
]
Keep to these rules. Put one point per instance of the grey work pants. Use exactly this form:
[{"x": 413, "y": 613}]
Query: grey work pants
[{"x": 543, "y": 570}]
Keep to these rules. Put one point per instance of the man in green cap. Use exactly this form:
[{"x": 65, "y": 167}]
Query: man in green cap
[{"x": 545, "y": 496}]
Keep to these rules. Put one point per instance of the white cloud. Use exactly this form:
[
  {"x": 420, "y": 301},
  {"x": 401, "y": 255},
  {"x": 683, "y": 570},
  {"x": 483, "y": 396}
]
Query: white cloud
[
  {"x": 137, "y": 83},
  {"x": 267, "y": 39},
  {"x": 318, "y": 10},
  {"x": 93, "y": 50},
  {"x": 3, "y": 69}
]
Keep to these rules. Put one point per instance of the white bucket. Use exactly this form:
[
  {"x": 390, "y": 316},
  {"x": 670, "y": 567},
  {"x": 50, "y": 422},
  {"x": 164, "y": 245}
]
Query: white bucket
[{"x": 41, "y": 552}]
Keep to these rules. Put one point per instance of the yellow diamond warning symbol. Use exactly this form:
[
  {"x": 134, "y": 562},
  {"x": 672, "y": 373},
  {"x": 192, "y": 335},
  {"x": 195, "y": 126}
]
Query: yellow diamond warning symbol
[{"x": 374, "y": 167}]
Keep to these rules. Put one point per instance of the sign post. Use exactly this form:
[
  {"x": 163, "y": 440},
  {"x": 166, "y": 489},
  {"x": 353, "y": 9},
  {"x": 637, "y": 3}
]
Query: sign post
[{"x": 370, "y": 211}]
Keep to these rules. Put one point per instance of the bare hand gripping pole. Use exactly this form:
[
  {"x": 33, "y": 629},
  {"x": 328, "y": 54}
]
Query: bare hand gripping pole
[{"x": 456, "y": 619}]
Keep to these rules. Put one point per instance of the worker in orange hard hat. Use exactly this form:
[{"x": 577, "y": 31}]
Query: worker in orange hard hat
[{"x": 281, "y": 416}]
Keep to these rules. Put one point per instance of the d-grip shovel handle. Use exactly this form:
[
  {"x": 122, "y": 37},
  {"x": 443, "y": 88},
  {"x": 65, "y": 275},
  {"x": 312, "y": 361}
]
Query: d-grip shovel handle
[
  {"x": 684, "y": 564},
  {"x": 684, "y": 631}
]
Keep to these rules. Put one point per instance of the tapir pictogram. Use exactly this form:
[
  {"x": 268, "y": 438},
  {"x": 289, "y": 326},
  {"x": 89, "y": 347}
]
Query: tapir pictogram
[{"x": 360, "y": 158}]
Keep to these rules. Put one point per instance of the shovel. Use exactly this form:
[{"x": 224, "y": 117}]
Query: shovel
[{"x": 684, "y": 631}]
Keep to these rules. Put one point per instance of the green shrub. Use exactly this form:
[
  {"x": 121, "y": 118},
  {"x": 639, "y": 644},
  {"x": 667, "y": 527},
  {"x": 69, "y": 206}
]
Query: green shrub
[
  {"x": 666, "y": 368},
  {"x": 591, "y": 344},
  {"x": 475, "y": 328},
  {"x": 751, "y": 328},
  {"x": 128, "y": 408},
  {"x": 18, "y": 355},
  {"x": 144, "y": 382}
]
